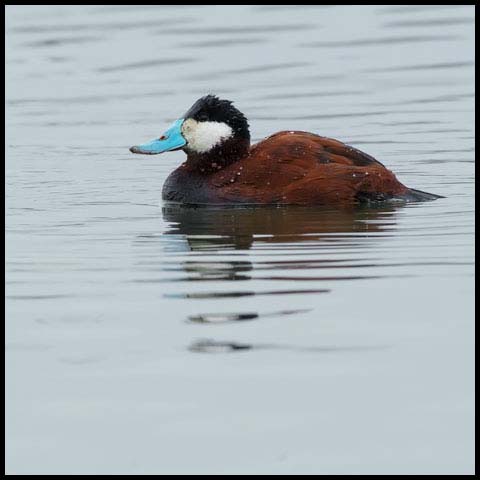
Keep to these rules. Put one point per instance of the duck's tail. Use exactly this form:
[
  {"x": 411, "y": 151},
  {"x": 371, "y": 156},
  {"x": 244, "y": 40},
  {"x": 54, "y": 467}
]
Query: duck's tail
[
  {"x": 410, "y": 195},
  {"x": 414, "y": 195}
]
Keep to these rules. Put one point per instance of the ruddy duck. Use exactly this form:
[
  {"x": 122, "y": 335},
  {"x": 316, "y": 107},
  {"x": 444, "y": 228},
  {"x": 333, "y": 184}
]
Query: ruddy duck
[{"x": 287, "y": 168}]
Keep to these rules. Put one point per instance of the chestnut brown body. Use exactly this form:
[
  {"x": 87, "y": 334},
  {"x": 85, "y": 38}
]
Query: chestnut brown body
[{"x": 290, "y": 167}]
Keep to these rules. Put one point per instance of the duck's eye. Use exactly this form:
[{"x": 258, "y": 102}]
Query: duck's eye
[{"x": 163, "y": 137}]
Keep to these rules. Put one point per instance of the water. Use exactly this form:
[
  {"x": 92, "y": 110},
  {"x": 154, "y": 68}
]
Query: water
[{"x": 143, "y": 338}]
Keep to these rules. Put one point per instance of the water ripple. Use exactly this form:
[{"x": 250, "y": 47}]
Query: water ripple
[
  {"x": 380, "y": 41},
  {"x": 146, "y": 64}
]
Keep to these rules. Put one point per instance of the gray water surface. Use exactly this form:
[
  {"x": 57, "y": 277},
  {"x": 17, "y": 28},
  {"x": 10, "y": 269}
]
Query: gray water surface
[{"x": 145, "y": 338}]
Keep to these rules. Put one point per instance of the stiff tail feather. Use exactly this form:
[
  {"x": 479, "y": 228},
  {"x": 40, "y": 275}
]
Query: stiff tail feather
[{"x": 414, "y": 195}]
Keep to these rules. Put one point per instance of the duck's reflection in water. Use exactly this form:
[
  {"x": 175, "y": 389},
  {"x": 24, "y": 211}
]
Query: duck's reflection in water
[
  {"x": 285, "y": 240},
  {"x": 288, "y": 244},
  {"x": 239, "y": 228}
]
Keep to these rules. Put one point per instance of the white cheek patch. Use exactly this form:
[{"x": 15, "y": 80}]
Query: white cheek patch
[{"x": 201, "y": 137}]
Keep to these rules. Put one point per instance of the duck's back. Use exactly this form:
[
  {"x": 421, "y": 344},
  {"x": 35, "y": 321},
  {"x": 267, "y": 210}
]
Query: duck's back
[{"x": 302, "y": 168}]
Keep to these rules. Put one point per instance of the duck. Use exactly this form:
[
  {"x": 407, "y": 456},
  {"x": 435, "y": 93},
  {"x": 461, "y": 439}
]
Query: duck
[{"x": 287, "y": 168}]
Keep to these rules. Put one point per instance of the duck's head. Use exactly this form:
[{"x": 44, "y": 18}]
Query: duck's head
[{"x": 211, "y": 124}]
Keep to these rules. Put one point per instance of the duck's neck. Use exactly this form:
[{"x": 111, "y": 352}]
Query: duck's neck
[{"x": 219, "y": 157}]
